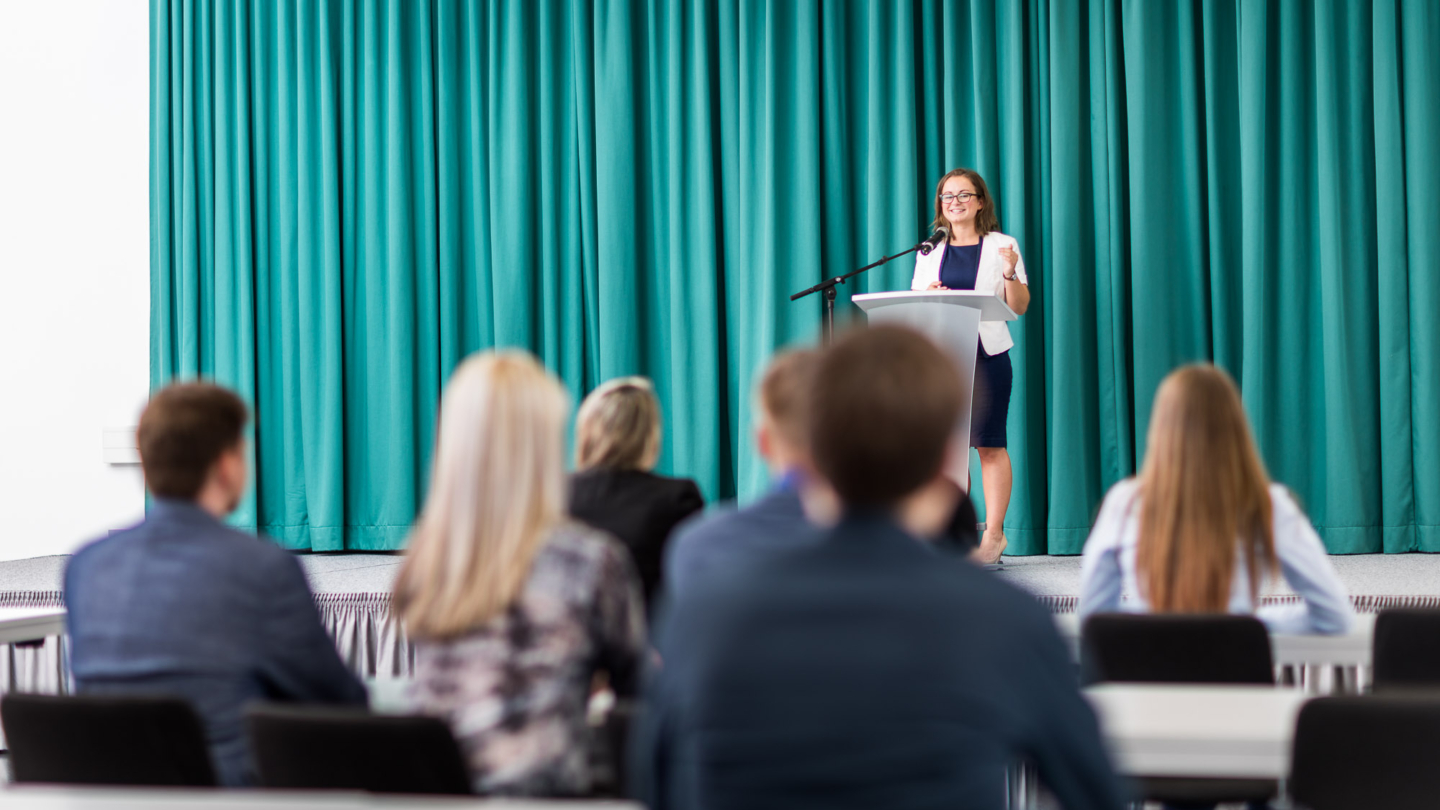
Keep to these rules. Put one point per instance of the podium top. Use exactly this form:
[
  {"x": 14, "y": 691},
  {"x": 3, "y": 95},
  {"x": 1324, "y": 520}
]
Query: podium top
[{"x": 991, "y": 307}]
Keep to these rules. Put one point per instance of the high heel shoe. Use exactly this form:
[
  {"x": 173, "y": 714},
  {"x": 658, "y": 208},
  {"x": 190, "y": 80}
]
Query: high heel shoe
[{"x": 997, "y": 550}]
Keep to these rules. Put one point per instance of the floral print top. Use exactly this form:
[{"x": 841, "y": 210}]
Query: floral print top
[{"x": 515, "y": 691}]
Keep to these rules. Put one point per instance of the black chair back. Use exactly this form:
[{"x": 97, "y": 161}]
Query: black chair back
[
  {"x": 1361, "y": 753},
  {"x": 609, "y": 748},
  {"x": 348, "y": 749},
  {"x": 1175, "y": 648},
  {"x": 93, "y": 740},
  {"x": 1407, "y": 648}
]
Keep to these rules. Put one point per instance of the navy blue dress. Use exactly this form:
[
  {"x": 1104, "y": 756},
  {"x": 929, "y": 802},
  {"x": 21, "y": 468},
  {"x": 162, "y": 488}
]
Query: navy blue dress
[{"x": 993, "y": 374}]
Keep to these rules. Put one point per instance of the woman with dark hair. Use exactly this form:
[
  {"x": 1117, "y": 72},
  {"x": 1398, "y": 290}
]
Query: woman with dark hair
[
  {"x": 977, "y": 256},
  {"x": 1201, "y": 525}
]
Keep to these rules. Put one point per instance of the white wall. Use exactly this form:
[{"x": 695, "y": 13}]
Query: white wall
[{"x": 74, "y": 258}]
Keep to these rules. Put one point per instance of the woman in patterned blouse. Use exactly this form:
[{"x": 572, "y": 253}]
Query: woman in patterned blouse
[{"x": 512, "y": 607}]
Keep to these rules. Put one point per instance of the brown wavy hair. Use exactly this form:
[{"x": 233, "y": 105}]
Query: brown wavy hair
[
  {"x": 986, "y": 221},
  {"x": 1205, "y": 496}
]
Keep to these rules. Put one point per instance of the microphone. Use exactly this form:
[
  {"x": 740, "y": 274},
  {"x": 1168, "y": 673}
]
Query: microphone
[{"x": 940, "y": 235}]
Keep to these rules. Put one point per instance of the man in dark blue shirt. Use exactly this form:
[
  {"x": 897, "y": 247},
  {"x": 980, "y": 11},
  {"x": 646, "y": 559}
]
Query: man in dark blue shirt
[
  {"x": 183, "y": 604},
  {"x": 867, "y": 669},
  {"x": 725, "y": 541}
]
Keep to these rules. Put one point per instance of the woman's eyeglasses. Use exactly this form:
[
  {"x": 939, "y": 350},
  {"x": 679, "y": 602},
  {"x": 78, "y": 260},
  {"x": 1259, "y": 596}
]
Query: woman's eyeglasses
[{"x": 964, "y": 197}]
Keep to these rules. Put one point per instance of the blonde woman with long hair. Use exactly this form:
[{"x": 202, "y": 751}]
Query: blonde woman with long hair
[
  {"x": 1202, "y": 526},
  {"x": 512, "y": 607}
]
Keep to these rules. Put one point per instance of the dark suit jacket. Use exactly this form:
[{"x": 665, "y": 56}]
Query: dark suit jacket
[
  {"x": 639, "y": 508},
  {"x": 184, "y": 605},
  {"x": 728, "y": 539},
  {"x": 961, "y": 535},
  {"x": 722, "y": 543},
  {"x": 867, "y": 670}
]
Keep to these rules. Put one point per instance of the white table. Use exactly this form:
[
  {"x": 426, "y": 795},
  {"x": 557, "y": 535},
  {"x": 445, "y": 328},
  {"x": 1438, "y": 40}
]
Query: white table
[
  {"x": 388, "y": 695},
  {"x": 30, "y": 624},
  {"x": 88, "y": 798},
  {"x": 1349, "y": 650},
  {"x": 1198, "y": 731}
]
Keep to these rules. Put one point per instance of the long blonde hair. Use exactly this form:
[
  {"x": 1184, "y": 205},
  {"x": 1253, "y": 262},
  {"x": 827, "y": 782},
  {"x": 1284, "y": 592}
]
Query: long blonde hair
[
  {"x": 497, "y": 489},
  {"x": 1203, "y": 490}
]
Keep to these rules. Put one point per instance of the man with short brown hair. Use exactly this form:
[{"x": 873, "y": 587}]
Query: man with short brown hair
[
  {"x": 724, "y": 541},
  {"x": 183, "y": 604},
  {"x": 185, "y": 431},
  {"x": 867, "y": 669}
]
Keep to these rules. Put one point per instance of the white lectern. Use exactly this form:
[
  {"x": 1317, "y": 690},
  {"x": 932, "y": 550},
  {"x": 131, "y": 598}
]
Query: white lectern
[{"x": 952, "y": 319}]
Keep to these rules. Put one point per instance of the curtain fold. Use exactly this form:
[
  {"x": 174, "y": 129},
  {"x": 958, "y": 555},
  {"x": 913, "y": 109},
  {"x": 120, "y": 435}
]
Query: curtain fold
[{"x": 349, "y": 196}]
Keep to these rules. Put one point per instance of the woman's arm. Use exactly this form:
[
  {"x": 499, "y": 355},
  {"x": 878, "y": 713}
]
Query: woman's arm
[
  {"x": 1100, "y": 574},
  {"x": 1017, "y": 295},
  {"x": 1306, "y": 567},
  {"x": 1015, "y": 291}
]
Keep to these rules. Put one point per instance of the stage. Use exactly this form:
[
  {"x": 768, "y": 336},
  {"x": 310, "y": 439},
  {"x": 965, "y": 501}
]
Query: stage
[
  {"x": 352, "y": 595},
  {"x": 1375, "y": 581}
]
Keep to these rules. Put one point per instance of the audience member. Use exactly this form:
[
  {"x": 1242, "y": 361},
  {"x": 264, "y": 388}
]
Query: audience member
[
  {"x": 944, "y": 514},
  {"x": 183, "y": 604},
  {"x": 1202, "y": 524},
  {"x": 728, "y": 539},
  {"x": 512, "y": 608},
  {"x": 617, "y": 442},
  {"x": 866, "y": 668}
]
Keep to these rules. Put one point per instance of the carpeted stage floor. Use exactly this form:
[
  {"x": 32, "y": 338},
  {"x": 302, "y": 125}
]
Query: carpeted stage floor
[
  {"x": 1375, "y": 581},
  {"x": 1371, "y": 578},
  {"x": 352, "y": 593}
]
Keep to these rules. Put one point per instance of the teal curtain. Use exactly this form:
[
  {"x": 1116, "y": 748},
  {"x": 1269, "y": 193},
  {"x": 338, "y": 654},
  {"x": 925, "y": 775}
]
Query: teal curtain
[{"x": 349, "y": 197}]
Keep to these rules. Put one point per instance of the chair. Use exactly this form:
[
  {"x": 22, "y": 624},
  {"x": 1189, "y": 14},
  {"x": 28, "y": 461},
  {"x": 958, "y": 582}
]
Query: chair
[
  {"x": 1180, "y": 648},
  {"x": 1360, "y": 753},
  {"x": 1176, "y": 648},
  {"x": 93, "y": 740},
  {"x": 348, "y": 749},
  {"x": 1407, "y": 648}
]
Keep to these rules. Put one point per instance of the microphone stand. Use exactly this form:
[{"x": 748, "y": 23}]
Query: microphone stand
[{"x": 827, "y": 287}]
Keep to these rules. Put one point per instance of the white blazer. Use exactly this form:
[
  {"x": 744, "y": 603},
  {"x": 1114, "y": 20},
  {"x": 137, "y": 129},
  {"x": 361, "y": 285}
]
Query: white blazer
[{"x": 994, "y": 335}]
